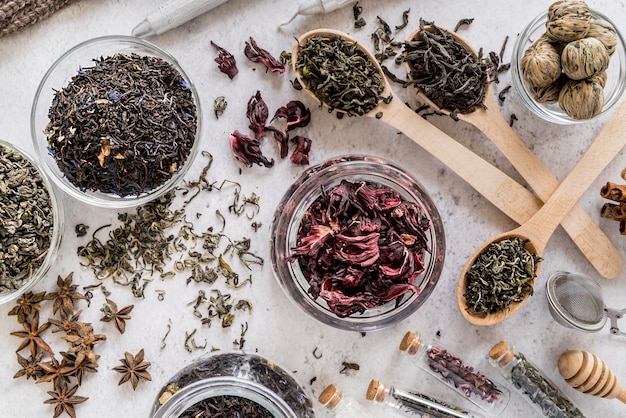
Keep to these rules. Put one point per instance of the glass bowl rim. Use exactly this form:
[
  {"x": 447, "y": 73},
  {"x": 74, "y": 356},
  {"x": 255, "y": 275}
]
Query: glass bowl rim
[
  {"x": 540, "y": 109},
  {"x": 429, "y": 277},
  {"x": 57, "y": 230},
  {"x": 101, "y": 199}
]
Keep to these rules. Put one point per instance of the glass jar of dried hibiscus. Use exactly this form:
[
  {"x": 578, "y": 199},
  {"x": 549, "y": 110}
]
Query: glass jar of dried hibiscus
[
  {"x": 232, "y": 384},
  {"x": 357, "y": 243}
]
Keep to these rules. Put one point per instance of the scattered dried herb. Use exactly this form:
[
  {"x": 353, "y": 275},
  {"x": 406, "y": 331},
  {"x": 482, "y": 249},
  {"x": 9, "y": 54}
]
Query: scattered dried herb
[
  {"x": 348, "y": 366},
  {"x": 257, "y": 54},
  {"x": 616, "y": 210},
  {"x": 219, "y": 106},
  {"x": 248, "y": 150},
  {"x": 133, "y": 369},
  {"x": 81, "y": 230},
  {"x": 225, "y": 61},
  {"x": 360, "y": 245},
  {"x": 463, "y": 22}
]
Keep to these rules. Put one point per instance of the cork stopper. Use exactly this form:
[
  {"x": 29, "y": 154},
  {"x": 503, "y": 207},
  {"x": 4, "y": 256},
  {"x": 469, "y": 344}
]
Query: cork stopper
[
  {"x": 376, "y": 391},
  {"x": 411, "y": 342},
  {"x": 501, "y": 353},
  {"x": 330, "y": 397}
]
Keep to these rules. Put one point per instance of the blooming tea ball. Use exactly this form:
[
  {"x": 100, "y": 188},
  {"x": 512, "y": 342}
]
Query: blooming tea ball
[
  {"x": 582, "y": 99},
  {"x": 584, "y": 58},
  {"x": 550, "y": 93},
  {"x": 604, "y": 32},
  {"x": 568, "y": 20},
  {"x": 541, "y": 63}
]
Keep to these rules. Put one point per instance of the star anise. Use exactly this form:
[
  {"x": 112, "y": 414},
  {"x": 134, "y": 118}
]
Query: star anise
[
  {"x": 30, "y": 366},
  {"x": 64, "y": 400},
  {"x": 111, "y": 313},
  {"x": 133, "y": 368},
  {"x": 65, "y": 296},
  {"x": 53, "y": 372},
  {"x": 83, "y": 340},
  {"x": 26, "y": 304},
  {"x": 66, "y": 324},
  {"x": 31, "y": 335},
  {"x": 78, "y": 370}
]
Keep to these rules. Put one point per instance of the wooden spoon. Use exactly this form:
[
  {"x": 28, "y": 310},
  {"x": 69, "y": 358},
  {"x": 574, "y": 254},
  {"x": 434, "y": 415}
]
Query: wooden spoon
[
  {"x": 538, "y": 229},
  {"x": 587, "y": 235},
  {"x": 587, "y": 373},
  {"x": 501, "y": 190}
]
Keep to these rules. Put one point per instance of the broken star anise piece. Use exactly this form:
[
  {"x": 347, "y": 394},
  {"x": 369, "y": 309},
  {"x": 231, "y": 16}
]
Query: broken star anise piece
[
  {"x": 83, "y": 340},
  {"x": 133, "y": 369},
  {"x": 32, "y": 337},
  {"x": 65, "y": 296},
  {"x": 111, "y": 313},
  {"x": 64, "y": 400}
]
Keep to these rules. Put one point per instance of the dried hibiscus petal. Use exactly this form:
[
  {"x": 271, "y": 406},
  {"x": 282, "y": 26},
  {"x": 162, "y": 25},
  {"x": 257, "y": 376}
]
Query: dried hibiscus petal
[
  {"x": 296, "y": 114},
  {"x": 257, "y": 54},
  {"x": 257, "y": 114},
  {"x": 225, "y": 61},
  {"x": 248, "y": 150},
  {"x": 282, "y": 139},
  {"x": 301, "y": 153}
]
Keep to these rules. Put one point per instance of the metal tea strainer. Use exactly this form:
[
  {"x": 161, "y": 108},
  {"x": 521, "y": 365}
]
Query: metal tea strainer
[{"x": 576, "y": 301}]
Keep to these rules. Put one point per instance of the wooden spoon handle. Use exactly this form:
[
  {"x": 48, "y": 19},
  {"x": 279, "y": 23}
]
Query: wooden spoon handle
[
  {"x": 622, "y": 396},
  {"x": 501, "y": 190},
  {"x": 607, "y": 144},
  {"x": 585, "y": 233}
]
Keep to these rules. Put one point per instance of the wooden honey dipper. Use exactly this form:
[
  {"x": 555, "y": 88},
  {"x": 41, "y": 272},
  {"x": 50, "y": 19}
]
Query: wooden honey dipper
[{"x": 589, "y": 374}]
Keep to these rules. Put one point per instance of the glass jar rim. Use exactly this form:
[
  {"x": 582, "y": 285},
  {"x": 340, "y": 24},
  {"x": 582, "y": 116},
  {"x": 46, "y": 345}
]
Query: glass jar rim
[{"x": 221, "y": 386}]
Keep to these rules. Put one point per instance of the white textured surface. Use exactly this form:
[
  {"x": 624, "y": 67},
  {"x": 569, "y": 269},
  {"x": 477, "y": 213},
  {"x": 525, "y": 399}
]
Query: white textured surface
[{"x": 278, "y": 330}]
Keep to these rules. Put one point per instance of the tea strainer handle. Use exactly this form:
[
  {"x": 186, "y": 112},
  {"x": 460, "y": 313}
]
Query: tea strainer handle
[{"x": 614, "y": 315}]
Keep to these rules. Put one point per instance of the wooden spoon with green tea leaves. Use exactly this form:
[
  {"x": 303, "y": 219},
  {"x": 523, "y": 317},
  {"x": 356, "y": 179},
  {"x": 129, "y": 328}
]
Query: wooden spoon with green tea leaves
[
  {"x": 487, "y": 118},
  {"x": 324, "y": 59},
  {"x": 536, "y": 232}
]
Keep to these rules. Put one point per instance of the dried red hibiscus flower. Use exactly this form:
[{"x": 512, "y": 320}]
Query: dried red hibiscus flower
[
  {"x": 301, "y": 153},
  {"x": 225, "y": 61},
  {"x": 257, "y": 113},
  {"x": 248, "y": 150},
  {"x": 296, "y": 114},
  {"x": 257, "y": 54},
  {"x": 360, "y": 245}
]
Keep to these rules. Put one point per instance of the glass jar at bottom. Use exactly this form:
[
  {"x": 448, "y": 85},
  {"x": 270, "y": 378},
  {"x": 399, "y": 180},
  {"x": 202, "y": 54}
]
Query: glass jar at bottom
[{"x": 247, "y": 384}]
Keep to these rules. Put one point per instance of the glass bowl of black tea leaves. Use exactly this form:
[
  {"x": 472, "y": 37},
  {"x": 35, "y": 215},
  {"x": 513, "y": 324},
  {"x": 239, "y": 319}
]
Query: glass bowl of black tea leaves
[
  {"x": 357, "y": 243},
  {"x": 116, "y": 122},
  {"x": 232, "y": 384},
  {"x": 567, "y": 81},
  {"x": 31, "y": 223}
]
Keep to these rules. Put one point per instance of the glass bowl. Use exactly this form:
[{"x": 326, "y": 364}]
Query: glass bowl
[
  {"x": 60, "y": 74},
  {"x": 237, "y": 375},
  {"x": 54, "y": 237},
  {"x": 296, "y": 202},
  {"x": 616, "y": 73}
]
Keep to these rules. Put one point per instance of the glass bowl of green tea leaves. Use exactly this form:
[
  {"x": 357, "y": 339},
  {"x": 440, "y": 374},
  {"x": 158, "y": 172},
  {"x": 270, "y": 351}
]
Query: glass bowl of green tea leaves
[
  {"x": 357, "y": 243},
  {"x": 31, "y": 224},
  {"x": 568, "y": 64},
  {"x": 116, "y": 122}
]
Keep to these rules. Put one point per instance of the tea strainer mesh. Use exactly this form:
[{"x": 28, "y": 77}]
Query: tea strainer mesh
[{"x": 576, "y": 301}]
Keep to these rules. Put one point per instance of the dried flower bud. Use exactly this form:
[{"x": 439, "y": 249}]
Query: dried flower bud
[
  {"x": 604, "y": 32},
  {"x": 541, "y": 63},
  {"x": 582, "y": 99},
  {"x": 584, "y": 58},
  {"x": 599, "y": 78},
  {"x": 549, "y": 93},
  {"x": 568, "y": 20}
]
